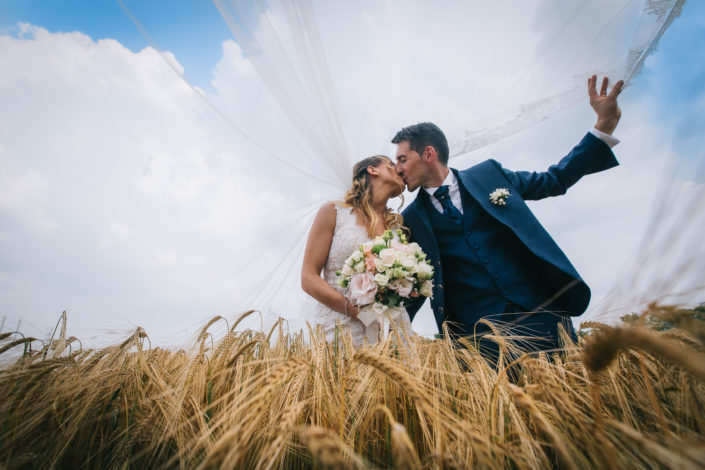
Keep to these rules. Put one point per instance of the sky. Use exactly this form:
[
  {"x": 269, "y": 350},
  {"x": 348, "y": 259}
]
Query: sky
[{"x": 128, "y": 199}]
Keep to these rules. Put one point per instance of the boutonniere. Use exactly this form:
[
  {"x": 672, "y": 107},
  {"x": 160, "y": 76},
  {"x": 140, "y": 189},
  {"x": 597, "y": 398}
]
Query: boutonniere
[{"x": 499, "y": 196}]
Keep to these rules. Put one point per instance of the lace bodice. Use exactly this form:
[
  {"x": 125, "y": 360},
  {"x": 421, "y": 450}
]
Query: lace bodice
[{"x": 348, "y": 236}]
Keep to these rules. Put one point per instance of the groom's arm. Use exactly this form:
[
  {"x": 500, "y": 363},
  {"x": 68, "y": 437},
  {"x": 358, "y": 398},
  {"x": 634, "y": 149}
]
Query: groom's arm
[
  {"x": 412, "y": 222},
  {"x": 591, "y": 155}
]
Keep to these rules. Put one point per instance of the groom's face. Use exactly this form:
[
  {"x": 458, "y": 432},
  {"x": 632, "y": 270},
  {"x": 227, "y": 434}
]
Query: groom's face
[{"x": 410, "y": 166}]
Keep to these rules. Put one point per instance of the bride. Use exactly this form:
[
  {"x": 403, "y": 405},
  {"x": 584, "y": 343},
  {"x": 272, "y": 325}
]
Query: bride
[{"x": 339, "y": 229}]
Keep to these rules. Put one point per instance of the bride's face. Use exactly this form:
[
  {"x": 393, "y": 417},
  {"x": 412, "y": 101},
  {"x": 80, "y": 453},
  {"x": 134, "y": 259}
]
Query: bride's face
[{"x": 388, "y": 175}]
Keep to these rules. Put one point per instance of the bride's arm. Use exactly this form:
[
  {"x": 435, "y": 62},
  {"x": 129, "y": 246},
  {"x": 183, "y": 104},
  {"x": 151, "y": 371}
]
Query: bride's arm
[{"x": 317, "y": 248}]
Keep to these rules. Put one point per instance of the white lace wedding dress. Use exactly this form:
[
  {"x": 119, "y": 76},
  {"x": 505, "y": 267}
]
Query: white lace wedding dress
[{"x": 347, "y": 236}]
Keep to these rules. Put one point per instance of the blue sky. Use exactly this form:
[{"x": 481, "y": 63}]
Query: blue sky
[
  {"x": 675, "y": 73},
  {"x": 192, "y": 30}
]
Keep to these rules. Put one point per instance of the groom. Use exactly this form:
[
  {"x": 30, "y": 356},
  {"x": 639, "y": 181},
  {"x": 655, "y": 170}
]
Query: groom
[{"x": 493, "y": 260}]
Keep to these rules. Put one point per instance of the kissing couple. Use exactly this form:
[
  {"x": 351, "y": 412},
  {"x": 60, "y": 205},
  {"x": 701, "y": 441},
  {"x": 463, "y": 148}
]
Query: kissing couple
[{"x": 491, "y": 258}]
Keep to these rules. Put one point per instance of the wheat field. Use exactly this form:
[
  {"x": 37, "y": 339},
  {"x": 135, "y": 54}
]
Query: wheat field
[{"x": 625, "y": 397}]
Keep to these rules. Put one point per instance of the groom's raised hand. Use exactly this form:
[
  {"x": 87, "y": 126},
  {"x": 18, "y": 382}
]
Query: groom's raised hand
[{"x": 605, "y": 105}]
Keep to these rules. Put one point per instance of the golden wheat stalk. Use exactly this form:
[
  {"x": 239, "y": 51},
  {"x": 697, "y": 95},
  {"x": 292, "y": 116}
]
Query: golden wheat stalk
[{"x": 600, "y": 352}]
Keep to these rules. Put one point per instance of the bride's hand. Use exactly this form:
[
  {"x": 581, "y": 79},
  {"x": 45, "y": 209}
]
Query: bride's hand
[{"x": 352, "y": 309}]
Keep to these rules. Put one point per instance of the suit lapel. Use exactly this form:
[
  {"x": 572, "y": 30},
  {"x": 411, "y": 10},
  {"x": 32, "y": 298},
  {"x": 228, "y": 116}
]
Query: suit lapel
[
  {"x": 480, "y": 181},
  {"x": 422, "y": 213},
  {"x": 479, "y": 185}
]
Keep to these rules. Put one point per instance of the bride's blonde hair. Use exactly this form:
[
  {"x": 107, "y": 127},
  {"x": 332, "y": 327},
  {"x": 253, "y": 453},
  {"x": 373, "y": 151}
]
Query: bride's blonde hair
[{"x": 359, "y": 196}]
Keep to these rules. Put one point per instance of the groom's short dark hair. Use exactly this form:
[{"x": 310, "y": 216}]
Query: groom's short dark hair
[{"x": 422, "y": 135}]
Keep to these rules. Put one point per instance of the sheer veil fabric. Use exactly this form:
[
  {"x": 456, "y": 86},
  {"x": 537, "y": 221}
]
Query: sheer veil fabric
[{"x": 514, "y": 86}]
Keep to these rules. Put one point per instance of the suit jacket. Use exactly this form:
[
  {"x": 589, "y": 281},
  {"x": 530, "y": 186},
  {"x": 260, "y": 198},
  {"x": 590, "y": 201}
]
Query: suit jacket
[{"x": 589, "y": 156}]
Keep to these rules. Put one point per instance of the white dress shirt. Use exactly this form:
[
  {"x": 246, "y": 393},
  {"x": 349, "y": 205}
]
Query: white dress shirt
[{"x": 454, "y": 190}]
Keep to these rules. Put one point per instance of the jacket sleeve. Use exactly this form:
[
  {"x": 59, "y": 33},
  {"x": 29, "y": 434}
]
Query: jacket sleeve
[
  {"x": 411, "y": 221},
  {"x": 589, "y": 156}
]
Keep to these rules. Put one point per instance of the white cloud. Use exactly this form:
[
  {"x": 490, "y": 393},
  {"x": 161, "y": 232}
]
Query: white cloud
[
  {"x": 143, "y": 201},
  {"x": 116, "y": 233},
  {"x": 23, "y": 197}
]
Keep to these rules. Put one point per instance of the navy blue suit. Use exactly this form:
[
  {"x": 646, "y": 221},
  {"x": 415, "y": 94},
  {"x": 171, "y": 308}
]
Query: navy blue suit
[{"x": 500, "y": 255}]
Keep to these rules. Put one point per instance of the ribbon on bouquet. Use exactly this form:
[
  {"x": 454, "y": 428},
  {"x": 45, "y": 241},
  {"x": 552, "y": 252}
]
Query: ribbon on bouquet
[{"x": 377, "y": 317}]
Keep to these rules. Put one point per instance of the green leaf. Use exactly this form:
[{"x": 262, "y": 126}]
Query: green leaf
[
  {"x": 377, "y": 248},
  {"x": 393, "y": 300}
]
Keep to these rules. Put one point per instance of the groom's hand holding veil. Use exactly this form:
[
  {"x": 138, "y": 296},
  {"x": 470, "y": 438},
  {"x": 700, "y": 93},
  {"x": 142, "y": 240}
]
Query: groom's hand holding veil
[{"x": 604, "y": 104}]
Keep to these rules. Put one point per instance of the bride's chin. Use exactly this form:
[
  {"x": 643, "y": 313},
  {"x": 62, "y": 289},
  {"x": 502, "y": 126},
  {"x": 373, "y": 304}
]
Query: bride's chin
[{"x": 396, "y": 192}]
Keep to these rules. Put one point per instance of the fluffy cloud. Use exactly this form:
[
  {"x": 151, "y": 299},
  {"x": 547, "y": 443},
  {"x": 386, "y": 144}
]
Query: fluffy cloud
[
  {"x": 23, "y": 197},
  {"x": 126, "y": 200}
]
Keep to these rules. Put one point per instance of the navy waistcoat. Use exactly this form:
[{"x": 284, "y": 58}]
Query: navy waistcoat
[{"x": 484, "y": 266}]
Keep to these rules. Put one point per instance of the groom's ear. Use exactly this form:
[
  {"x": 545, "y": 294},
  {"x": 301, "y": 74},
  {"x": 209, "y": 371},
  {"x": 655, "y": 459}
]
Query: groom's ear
[{"x": 429, "y": 154}]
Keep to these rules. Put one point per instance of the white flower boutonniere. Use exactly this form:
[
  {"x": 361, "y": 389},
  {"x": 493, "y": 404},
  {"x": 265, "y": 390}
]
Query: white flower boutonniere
[{"x": 499, "y": 196}]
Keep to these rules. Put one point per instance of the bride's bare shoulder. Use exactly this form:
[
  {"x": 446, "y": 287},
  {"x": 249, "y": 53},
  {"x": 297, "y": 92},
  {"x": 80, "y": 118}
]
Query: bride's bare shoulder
[
  {"x": 330, "y": 208},
  {"x": 326, "y": 216}
]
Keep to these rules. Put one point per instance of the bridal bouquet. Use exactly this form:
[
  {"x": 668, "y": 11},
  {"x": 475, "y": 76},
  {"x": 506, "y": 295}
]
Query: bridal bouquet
[{"x": 383, "y": 274}]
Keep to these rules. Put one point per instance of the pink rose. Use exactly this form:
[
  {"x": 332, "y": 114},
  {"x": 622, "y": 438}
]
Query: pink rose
[
  {"x": 363, "y": 288},
  {"x": 400, "y": 247},
  {"x": 402, "y": 286},
  {"x": 370, "y": 262}
]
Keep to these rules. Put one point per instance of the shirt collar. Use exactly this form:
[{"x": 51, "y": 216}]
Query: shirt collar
[{"x": 449, "y": 181}]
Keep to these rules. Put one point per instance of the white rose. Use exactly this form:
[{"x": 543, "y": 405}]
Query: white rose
[
  {"x": 410, "y": 263},
  {"x": 426, "y": 289},
  {"x": 424, "y": 270},
  {"x": 360, "y": 267},
  {"x": 347, "y": 270},
  {"x": 381, "y": 279},
  {"x": 387, "y": 256},
  {"x": 379, "y": 264},
  {"x": 398, "y": 273},
  {"x": 356, "y": 257},
  {"x": 397, "y": 245}
]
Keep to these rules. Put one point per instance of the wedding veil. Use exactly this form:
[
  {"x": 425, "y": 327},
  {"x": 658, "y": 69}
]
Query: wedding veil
[{"x": 512, "y": 87}]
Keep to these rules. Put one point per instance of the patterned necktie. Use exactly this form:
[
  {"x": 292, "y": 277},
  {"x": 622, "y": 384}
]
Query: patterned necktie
[{"x": 449, "y": 209}]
